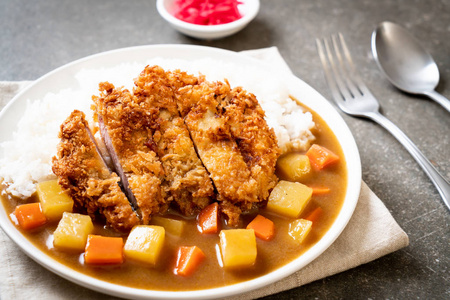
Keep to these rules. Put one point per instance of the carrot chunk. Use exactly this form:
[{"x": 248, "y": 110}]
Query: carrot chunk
[
  {"x": 314, "y": 215},
  {"x": 30, "y": 216},
  {"x": 320, "y": 157},
  {"x": 208, "y": 219},
  {"x": 263, "y": 227},
  {"x": 103, "y": 250},
  {"x": 319, "y": 190},
  {"x": 188, "y": 260}
]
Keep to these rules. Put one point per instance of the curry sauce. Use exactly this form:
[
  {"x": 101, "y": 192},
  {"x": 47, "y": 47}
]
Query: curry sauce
[{"x": 211, "y": 274}]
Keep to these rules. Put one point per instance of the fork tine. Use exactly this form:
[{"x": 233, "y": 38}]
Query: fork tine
[
  {"x": 345, "y": 65},
  {"x": 351, "y": 67},
  {"x": 332, "y": 84},
  {"x": 338, "y": 72},
  {"x": 339, "y": 90}
]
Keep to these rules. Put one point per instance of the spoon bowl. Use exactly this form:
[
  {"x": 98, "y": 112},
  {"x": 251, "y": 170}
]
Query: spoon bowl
[{"x": 406, "y": 64}]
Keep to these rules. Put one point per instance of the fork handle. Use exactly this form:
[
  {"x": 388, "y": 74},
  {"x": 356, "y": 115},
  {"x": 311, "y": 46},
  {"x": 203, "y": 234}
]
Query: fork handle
[{"x": 442, "y": 185}]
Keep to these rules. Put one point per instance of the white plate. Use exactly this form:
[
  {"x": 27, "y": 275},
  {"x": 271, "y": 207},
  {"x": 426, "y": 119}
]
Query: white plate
[{"x": 63, "y": 77}]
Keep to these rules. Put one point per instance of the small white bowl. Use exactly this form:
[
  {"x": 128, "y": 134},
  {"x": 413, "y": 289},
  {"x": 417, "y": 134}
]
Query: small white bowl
[{"x": 249, "y": 9}]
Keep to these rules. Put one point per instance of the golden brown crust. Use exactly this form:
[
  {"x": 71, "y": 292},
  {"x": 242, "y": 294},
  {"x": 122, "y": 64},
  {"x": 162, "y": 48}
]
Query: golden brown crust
[
  {"x": 177, "y": 135},
  {"x": 215, "y": 144},
  {"x": 234, "y": 142},
  {"x": 82, "y": 172},
  {"x": 188, "y": 182},
  {"x": 127, "y": 124},
  {"x": 256, "y": 141}
]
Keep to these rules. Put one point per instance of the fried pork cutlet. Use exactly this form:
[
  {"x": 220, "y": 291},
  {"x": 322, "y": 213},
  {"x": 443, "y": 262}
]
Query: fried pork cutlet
[
  {"x": 83, "y": 173},
  {"x": 256, "y": 141},
  {"x": 124, "y": 126},
  {"x": 217, "y": 147},
  {"x": 188, "y": 181}
]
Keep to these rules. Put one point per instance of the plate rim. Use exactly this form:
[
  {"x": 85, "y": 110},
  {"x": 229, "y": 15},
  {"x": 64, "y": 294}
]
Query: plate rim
[{"x": 344, "y": 216}]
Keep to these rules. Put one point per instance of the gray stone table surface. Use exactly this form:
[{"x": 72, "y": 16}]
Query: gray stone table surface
[{"x": 40, "y": 35}]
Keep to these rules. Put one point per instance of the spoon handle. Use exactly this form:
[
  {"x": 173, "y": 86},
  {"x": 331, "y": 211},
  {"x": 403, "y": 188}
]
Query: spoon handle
[
  {"x": 439, "y": 99},
  {"x": 441, "y": 184}
]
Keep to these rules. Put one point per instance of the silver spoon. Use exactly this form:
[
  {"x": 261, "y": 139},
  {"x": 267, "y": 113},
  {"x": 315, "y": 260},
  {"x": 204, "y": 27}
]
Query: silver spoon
[{"x": 405, "y": 62}]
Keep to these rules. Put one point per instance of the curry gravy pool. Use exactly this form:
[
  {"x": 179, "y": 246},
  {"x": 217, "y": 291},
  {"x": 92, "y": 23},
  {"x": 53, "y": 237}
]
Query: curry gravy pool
[{"x": 210, "y": 274}]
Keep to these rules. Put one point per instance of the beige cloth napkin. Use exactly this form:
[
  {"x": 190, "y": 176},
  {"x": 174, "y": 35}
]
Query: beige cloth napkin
[{"x": 371, "y": 233}]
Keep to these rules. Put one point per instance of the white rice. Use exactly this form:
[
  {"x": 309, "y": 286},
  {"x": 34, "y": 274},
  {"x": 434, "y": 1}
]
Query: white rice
[{"x": 28, "y": 156}]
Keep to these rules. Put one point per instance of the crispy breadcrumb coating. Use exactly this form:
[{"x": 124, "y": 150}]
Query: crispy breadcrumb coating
[
  {"x": 188, "y": 182},
  {"x": 84, "y": 175},
  {"x": 256, "y": 141},
  {"x": 233, "y": 141},
  {"x": 129, "y": 138},
  {"x": 179, "y": 139},
  {"x": 216, "y": 146}
]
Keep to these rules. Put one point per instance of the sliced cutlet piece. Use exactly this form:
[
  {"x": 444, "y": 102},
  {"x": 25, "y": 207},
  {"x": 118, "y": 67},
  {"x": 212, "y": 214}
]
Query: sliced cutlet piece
[
  {"x": 188, "y": 181},
  {"x": 83, "y": 173},
  {"x": 128, "y": 138},
  {"x": 256, "y": 141},
  {"x": 217, "y": 147}
]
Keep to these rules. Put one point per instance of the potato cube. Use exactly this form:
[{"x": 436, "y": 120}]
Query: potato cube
[
  {"x": 144, "y": 244},
  {"x": 72, "y": 231},
  {"x": 295, "y": 166},
  {"x": 172, "y": 226},
  {"x": 289, "y": 198},
  {"x": 299, "y": 229},
  {"x": 238, "y": 247},
  {"x": 54, "y": 201}
]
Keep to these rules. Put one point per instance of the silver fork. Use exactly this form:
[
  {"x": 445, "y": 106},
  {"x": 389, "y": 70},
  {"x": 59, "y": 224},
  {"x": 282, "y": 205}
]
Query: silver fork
[{"x": 354, "y": 98}]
